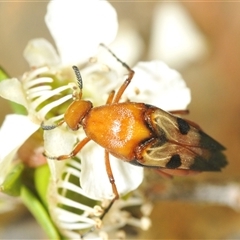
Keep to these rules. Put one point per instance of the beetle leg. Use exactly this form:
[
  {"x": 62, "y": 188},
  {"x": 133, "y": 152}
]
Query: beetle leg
[
  {"x": 124, "y": 86},
  {"x": 169, "y": 173},
  {"x": 110, "y": 97},
  {"x": 75, "y": 151},
  {"x": 126, "y": 82},
  {"x": 107, "y": 208},
  {"x": 180, "y": 112},
  {"x": 110, "y": 175}
]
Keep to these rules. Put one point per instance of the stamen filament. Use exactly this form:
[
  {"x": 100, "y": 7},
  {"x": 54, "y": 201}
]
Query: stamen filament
[
  {"x": 30, "y": 75},
  {"x": 48, "y": 95},
  {"x": 33, "y": 82},
  {"x": 71, "y": 187},
  {"x": 43, "y": 112},
  {"x": 67, "y": 216},
  {"x": 37, "y": 91},
  {"x": 71, "y": 203}
]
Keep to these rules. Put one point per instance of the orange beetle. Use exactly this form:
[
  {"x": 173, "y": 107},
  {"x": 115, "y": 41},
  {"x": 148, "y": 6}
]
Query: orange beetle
[{"x": 141, "y": 134}]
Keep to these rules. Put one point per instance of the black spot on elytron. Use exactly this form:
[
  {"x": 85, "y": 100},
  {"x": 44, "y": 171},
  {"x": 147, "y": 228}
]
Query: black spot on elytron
[
  {"x": 174, "y": 162},
  {"x": 183, "y": 126}
]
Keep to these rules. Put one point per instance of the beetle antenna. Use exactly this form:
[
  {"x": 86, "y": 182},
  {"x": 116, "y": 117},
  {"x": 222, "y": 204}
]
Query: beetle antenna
[
  {"x": 114, "y": 55},
  {"x": 79, "y": 80},
  {"x": 79, "y": 77},
  {"x": 121, "y": 90}
]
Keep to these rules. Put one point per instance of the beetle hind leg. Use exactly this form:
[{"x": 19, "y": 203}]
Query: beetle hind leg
[{"x": 180, "y": 112}]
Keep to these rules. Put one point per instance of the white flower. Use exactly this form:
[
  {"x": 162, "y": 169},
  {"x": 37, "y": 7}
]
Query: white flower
[
  {"x": 32, "y": 91},
  {"x": 66, "y": 194},
  {"x": 77, "y": 38},
  {"x": 170, "y": 91},
  {"x": 77, "y": 29},
  {"x": 11, "y": 138},
  {"x": 150, "y": 79},
  {"x": 16, "y": 129}
]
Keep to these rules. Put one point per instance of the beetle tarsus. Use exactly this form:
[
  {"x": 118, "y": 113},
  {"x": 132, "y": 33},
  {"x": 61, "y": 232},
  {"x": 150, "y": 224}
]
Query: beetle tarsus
[
  {"x": 48, "y": 127},
  {"x": 49, "y": 157}
]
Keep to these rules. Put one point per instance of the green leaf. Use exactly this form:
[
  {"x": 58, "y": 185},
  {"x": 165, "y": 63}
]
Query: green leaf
[
  {"x": 13, "y": 181},
  {"x": 41, "y": 179},
  {"x": 40, "y": 213}
]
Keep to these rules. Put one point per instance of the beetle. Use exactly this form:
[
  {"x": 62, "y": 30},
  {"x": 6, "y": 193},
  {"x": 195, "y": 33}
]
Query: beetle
[{"x": 141, "y": 134}]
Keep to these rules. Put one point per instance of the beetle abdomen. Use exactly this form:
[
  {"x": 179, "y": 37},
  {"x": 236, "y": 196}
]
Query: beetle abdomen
[{"x": 181, "y": 145}]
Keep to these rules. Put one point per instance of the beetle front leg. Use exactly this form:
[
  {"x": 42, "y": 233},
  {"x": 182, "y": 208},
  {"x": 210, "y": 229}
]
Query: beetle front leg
[
  {"x": 75, "y": 151},
  {"x": 50, "y": 127}
]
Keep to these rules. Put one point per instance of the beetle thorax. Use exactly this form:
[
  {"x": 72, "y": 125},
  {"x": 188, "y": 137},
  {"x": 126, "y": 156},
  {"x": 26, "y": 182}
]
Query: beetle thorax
[{"x": 119, "y": 128}]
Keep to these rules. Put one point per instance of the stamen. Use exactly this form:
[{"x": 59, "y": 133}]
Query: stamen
[
  {"x": 98, "y": 223},
  {"x": 76, "y": 226},
  {"x": 37, "y": 91},
  {"x": 134, "y": 201},
  {"x": 98, "y": 211},
  {"x": 71, "y": 203},
  {"x": 43, "y": 112},
  {"x": 73, "y": 171},
  {"x": 30, "y": 75},
  {"x": 70, "y": 186},
  {"x": 146, "y": 209},
  {"x": 69, "y": 223},
  {"x": 75, "y": 164},
  {"x": 33, "y": 82},
  {"x": 48, "y": 95},
  {"x": 66, "y": 216},
  {"x": 145, "y": 223}
]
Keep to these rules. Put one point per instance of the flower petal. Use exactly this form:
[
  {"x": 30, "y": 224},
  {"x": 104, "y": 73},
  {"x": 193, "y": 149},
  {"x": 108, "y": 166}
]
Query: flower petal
[
  {"x": 79, "y": 27},
  {"x": 158, "y": 85},
  {"x": 12, "y": 90},
  {"x": 13, "y": 133},
  {"x": 94, "y": 179},
  {"x": 59, "y": 141},
  {"x": 39, "y": 52}
]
